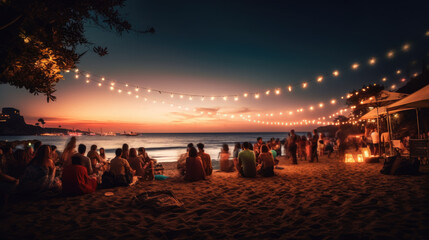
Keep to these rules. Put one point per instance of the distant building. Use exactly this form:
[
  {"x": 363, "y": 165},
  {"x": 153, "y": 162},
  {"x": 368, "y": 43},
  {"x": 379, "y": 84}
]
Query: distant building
[{"x": 10, "y": 116}]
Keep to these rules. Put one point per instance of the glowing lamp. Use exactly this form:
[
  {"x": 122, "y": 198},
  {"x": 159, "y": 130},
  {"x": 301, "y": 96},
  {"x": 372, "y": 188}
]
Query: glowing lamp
[
  {"x": 406, "y": 47},
  {"x": 277, "y": 91},
  {"x": 355, "y": 66},
  {"x": 384, "y": 79},
  {"x": 335, "y": 73},
  {"x": 349, "y": 158},
  {"x": 235, "y": 98},
  {"x": 365, "y": 152},
  {"x": 289, "y": 88},
  {"x": 225, "y": 98},
  {"x": 267, "y": 92},
  {"x": 87, "y": 75},
  {"x": 372, "y": 61},
  {"x": 398, "y": 72},
  {"x": 212, "y": 98},
  {"x": 245, "y": 94},
  {"x": 359, "y": 158},
  {"x": 390, "y": 54},
  {"x": 319, "y": 78},
  {"x": 304, "y": 85},
  {"x": 257, "y": 95}
]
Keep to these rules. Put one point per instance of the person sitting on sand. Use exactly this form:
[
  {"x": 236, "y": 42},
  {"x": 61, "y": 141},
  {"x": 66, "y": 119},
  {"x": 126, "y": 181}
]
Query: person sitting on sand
[
  {"x": 103, "y": 154},
  {"x": 194, "y": 166},
  {"x": 257, "y": 146},
  {"x": 136, "y": 162},
  {"x": 54, "y": 154},
  {"x": 226, "y": 165},
  {"x": 181, "y": 162},
  {"x": 86, "y": 162},
  {"x": 120, "y": 170},
  {"x": 207, "y": 161},
  {"x": 147, "y": 163},
  {"x": 68, "y": 152},
  {"x": 266, "y": 161},
  {"x": 235, "y": 152},
  {"x": 94, "y": 156},
  {"x": 125, "y": 151},
  {"x": 39, "y": 175},
  {"x": 247, "y": 162},
  {"x": 76, "y": 180}
]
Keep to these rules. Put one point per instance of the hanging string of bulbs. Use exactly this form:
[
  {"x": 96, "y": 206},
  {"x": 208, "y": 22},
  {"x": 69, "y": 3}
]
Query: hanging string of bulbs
[{"x": 235, "y": 97}]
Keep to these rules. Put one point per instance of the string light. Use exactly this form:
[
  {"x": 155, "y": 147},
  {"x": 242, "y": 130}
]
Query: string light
[
  {"x": 190, "y": 98},
  {"x": 87, "y": 81},
  {"x": 304, "y": 85},
  {"x": 398, "y": 72},
  {"x": 277, "y": 91},
  {"x": 289, "y": 88},
  {"x": 99, "y": 84},
  {"x": 76, "y": 76},
  {"x": 235, "y": 98},
  {"x": 257, "y": 95},
  {"x": 372, "y": 61},
  {"x": 355, "y": 66},
  {"x": 333, "y": 101},
  {"x": 137, "y": 89},
  {"x": 149, "y": 90},
  {"x": 384, "y": 79},
  {"x": 335, "y": 73},
  {"x": 212, "y": 98},
  {"x": 390, "y": 54},
  {"x": 102, "y": 79},
  {"x": 406, "y": 47},
  {"x": 225, "y": 98},
  {"x": 171, "y": 95},
  {"x": 119, "y": 91},
  {"x": 87, "y": 75},
  {"x": 321, "y": 105},
  {"x": 112, "y": 88},
  {"x": 267, "y": 92},
  {"x": 245, "y": 95},
  {"x": 319, "y": 78}
]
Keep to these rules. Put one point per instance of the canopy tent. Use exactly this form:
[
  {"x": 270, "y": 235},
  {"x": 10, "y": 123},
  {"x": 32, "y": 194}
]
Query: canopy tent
[
  {"x": 381, "y": 111},
  {"x": 384, "y": 98},
  {"x": 419, "y": 99}
]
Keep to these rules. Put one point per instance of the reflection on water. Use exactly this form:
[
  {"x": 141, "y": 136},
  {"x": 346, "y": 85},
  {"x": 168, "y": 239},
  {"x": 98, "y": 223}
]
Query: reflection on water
[{"x": 165, "y": 147}]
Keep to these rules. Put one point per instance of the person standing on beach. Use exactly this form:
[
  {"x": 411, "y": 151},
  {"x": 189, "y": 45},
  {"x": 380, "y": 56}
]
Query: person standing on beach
[
  {"x": 314, "y": 141},
  {"x": 206, "y": 159},
  {"x": 292, "y": 147},
  {"x": 247, "y": 161}
]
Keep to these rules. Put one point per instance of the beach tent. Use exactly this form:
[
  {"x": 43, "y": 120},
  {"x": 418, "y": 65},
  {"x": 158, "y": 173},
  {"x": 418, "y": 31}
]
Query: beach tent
[
  {"x": 381, "y": 111},
  {"x": 384, "y": 98},
  {"x": 419, "y": 99}
]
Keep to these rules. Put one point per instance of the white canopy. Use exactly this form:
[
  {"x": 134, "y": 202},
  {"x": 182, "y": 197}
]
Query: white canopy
[
  {"x": 381, "y": 111},
  {"x": 419, "y": 99},
  {"x": 385, "y": 97}
]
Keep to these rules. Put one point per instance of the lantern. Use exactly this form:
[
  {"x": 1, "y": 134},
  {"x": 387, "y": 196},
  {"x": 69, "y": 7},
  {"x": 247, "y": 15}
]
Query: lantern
[
  {"x": 365, "y": 152},
  {"x": 349, "y": 158},
  {"x": 359, "y": 158}
]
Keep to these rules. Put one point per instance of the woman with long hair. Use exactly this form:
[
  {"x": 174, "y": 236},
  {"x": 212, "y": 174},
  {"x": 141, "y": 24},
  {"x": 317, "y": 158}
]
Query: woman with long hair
[
  {"x": 125, "y": 151},
  {"x": 69, "y": 151},
  {"x": 225, "y": 164},
  {"x": 39, "y": 175}
]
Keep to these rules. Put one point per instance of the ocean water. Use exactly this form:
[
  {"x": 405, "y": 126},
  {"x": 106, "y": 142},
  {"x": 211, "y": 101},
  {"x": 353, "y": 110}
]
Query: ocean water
[{"x": 165, "y": 147}]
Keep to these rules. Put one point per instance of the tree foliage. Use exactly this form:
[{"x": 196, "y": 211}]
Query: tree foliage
[
  {"x": 355, "y": 97},
  {"x": 41, "y": 38}
]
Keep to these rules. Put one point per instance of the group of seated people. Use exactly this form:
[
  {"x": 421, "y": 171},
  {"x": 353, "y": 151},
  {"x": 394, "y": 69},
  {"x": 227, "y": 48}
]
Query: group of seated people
[
  {"x": 38, "y": 168},
  {"x": 196, "y": 165}
]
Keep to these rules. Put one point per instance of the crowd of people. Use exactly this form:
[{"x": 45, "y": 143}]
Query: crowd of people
[{"x": 37, "y": 168}]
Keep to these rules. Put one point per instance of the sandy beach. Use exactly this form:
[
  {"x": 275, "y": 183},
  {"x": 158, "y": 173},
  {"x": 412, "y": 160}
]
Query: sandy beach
[{"x": 326, "y": 200}]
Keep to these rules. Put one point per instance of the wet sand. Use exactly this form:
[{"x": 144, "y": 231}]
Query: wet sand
[{"x": 326, "y": 200}]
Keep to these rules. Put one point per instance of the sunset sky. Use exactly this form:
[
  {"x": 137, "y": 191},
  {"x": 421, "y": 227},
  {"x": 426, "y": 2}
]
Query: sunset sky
[{"x": 221, "y": 48}]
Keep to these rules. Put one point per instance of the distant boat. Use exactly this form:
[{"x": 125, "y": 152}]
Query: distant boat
[
  {"x": 130, "y": 134},
  {"x": 108, "y": 134},
  {"x": 75, "y": 134},
  {"x": 52, "y": 134}
]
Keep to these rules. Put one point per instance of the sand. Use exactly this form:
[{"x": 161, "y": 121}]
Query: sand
[{"x": 326, "y": 200}]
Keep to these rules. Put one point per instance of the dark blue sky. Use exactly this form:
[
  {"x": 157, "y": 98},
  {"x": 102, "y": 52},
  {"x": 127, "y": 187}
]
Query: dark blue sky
[{"x": 228, "y": 47}]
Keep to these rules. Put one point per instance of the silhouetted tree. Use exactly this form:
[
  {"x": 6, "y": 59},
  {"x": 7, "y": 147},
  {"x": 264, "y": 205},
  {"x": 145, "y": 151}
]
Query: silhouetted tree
[
  {"x": 40, "y": 38},
  {"x": 42, "y": 121},
  {"x": 357, "y": 96}
]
